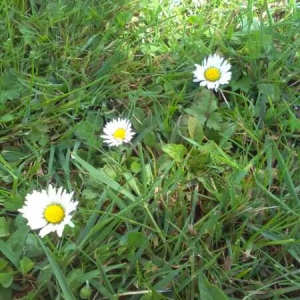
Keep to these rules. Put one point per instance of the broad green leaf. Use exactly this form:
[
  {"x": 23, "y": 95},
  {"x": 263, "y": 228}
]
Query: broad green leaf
[
  {"x": 26, "y": 265},
  {"x": 27, "y": 33},
  {"x": 198, "y": 113},
  {"x": 149, "y": 138},
  {"x": 9, "y": 253},
  {"x": 14, "y": 202},
  {"x": 294, "y": 124},
  {"x": 176, "y": 151},
  {"x": 33, "y": 248},
  {"x": 110, "y": 172},
  {"x": 164, "y": 162},
  {"x": 17, "y": 240},
  {"x": 5, "y": 293},
  {"x": 209, "y": 291},
  {"x": 7, "y": 277},
  {"x": 84, "y": 131},
  {"x": 195, "y": 129},
  {"x": 74, "y": 278},
  {"x": 135, "y": 167},
  {"x": 136, "y": 239},
  {"x": 4, "y": 227},
  {"x": 12, "y": 154},
  {"x": 7, "y": 118},
  {"x": 3, "y": 263}
]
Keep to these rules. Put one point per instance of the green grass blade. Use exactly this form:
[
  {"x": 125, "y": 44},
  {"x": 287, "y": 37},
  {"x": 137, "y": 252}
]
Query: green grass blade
[
  {"x": 286, "y": 176},
  {"x": 9, "y": 254},
  {"x": 58, "y": 273},
  {"x": 102, "y": 177}
]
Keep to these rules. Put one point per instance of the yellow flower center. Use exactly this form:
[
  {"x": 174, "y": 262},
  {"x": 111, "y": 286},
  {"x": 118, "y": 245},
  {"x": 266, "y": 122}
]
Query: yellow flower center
[
  {"x": 212, "y": 74},
  {"x": 54, "y": 214},
  {"x": 120, "y": 134}
]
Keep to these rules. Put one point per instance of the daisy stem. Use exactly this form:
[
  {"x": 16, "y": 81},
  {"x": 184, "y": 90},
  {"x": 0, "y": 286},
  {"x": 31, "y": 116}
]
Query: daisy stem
[
  {"x": 49, "y": 243},
  {"x": 143, "y": 168},
  {"x": 224, "y": 98},
  {"x": 210, "y": 99}
]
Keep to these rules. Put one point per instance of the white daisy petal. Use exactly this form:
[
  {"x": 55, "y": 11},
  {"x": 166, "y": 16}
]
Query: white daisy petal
[
  {"x": 71, "y": 224},
  {"x": 59, "y": 230},
  {"x": 37, "y": 223},
  {"x": 49, "y": 210},
  {"x": 117, "y": 132},
  {"x": 213, "y": 72},
  {"x": 211, "y": 85},
  {"x": 203, "y": 83},
  {"x": 46, "y": 230}
]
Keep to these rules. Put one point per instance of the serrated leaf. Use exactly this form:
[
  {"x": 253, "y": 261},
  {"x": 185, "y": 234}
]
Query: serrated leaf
[
  {"x": 10, "y": 94},
  {"x": 214, "y": 121},
  {"x": 89, "y": 194},
  {"x": 205, "y": 107},
  {"x": 244, "y": 84},
  {"x": 95, "y": 120},
  {"x": 267, "y": 89},
  {"x": 84, "y": 131},
  {"x": 9, "y": 86},
  {"x": 176, "y": 151},
  {"x": 13, "y": 203}
]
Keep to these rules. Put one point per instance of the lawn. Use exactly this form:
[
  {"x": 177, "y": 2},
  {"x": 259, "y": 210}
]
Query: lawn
[{"x": 160, "y": 185}]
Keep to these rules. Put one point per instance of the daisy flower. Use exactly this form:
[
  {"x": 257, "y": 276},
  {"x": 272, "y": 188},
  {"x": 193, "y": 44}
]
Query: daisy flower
[
  {"x": 49, "y": 210},
  {"x": 117, "y": 132},
  {"x": 213, "y": 72}
]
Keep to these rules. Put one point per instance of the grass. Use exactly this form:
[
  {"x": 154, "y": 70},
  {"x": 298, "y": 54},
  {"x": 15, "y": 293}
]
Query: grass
[{"x": 204, "y": 204}]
